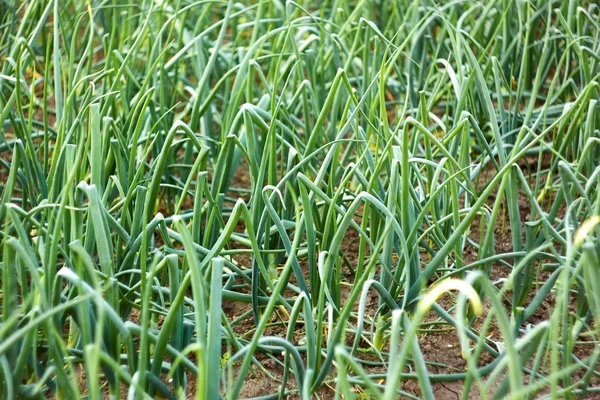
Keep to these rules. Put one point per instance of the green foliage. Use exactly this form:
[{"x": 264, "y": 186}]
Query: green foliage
[{"x": 160, "y": 159}]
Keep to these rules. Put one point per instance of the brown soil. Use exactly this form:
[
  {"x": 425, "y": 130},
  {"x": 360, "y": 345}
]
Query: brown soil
[{"x": 4, "y": 171}]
